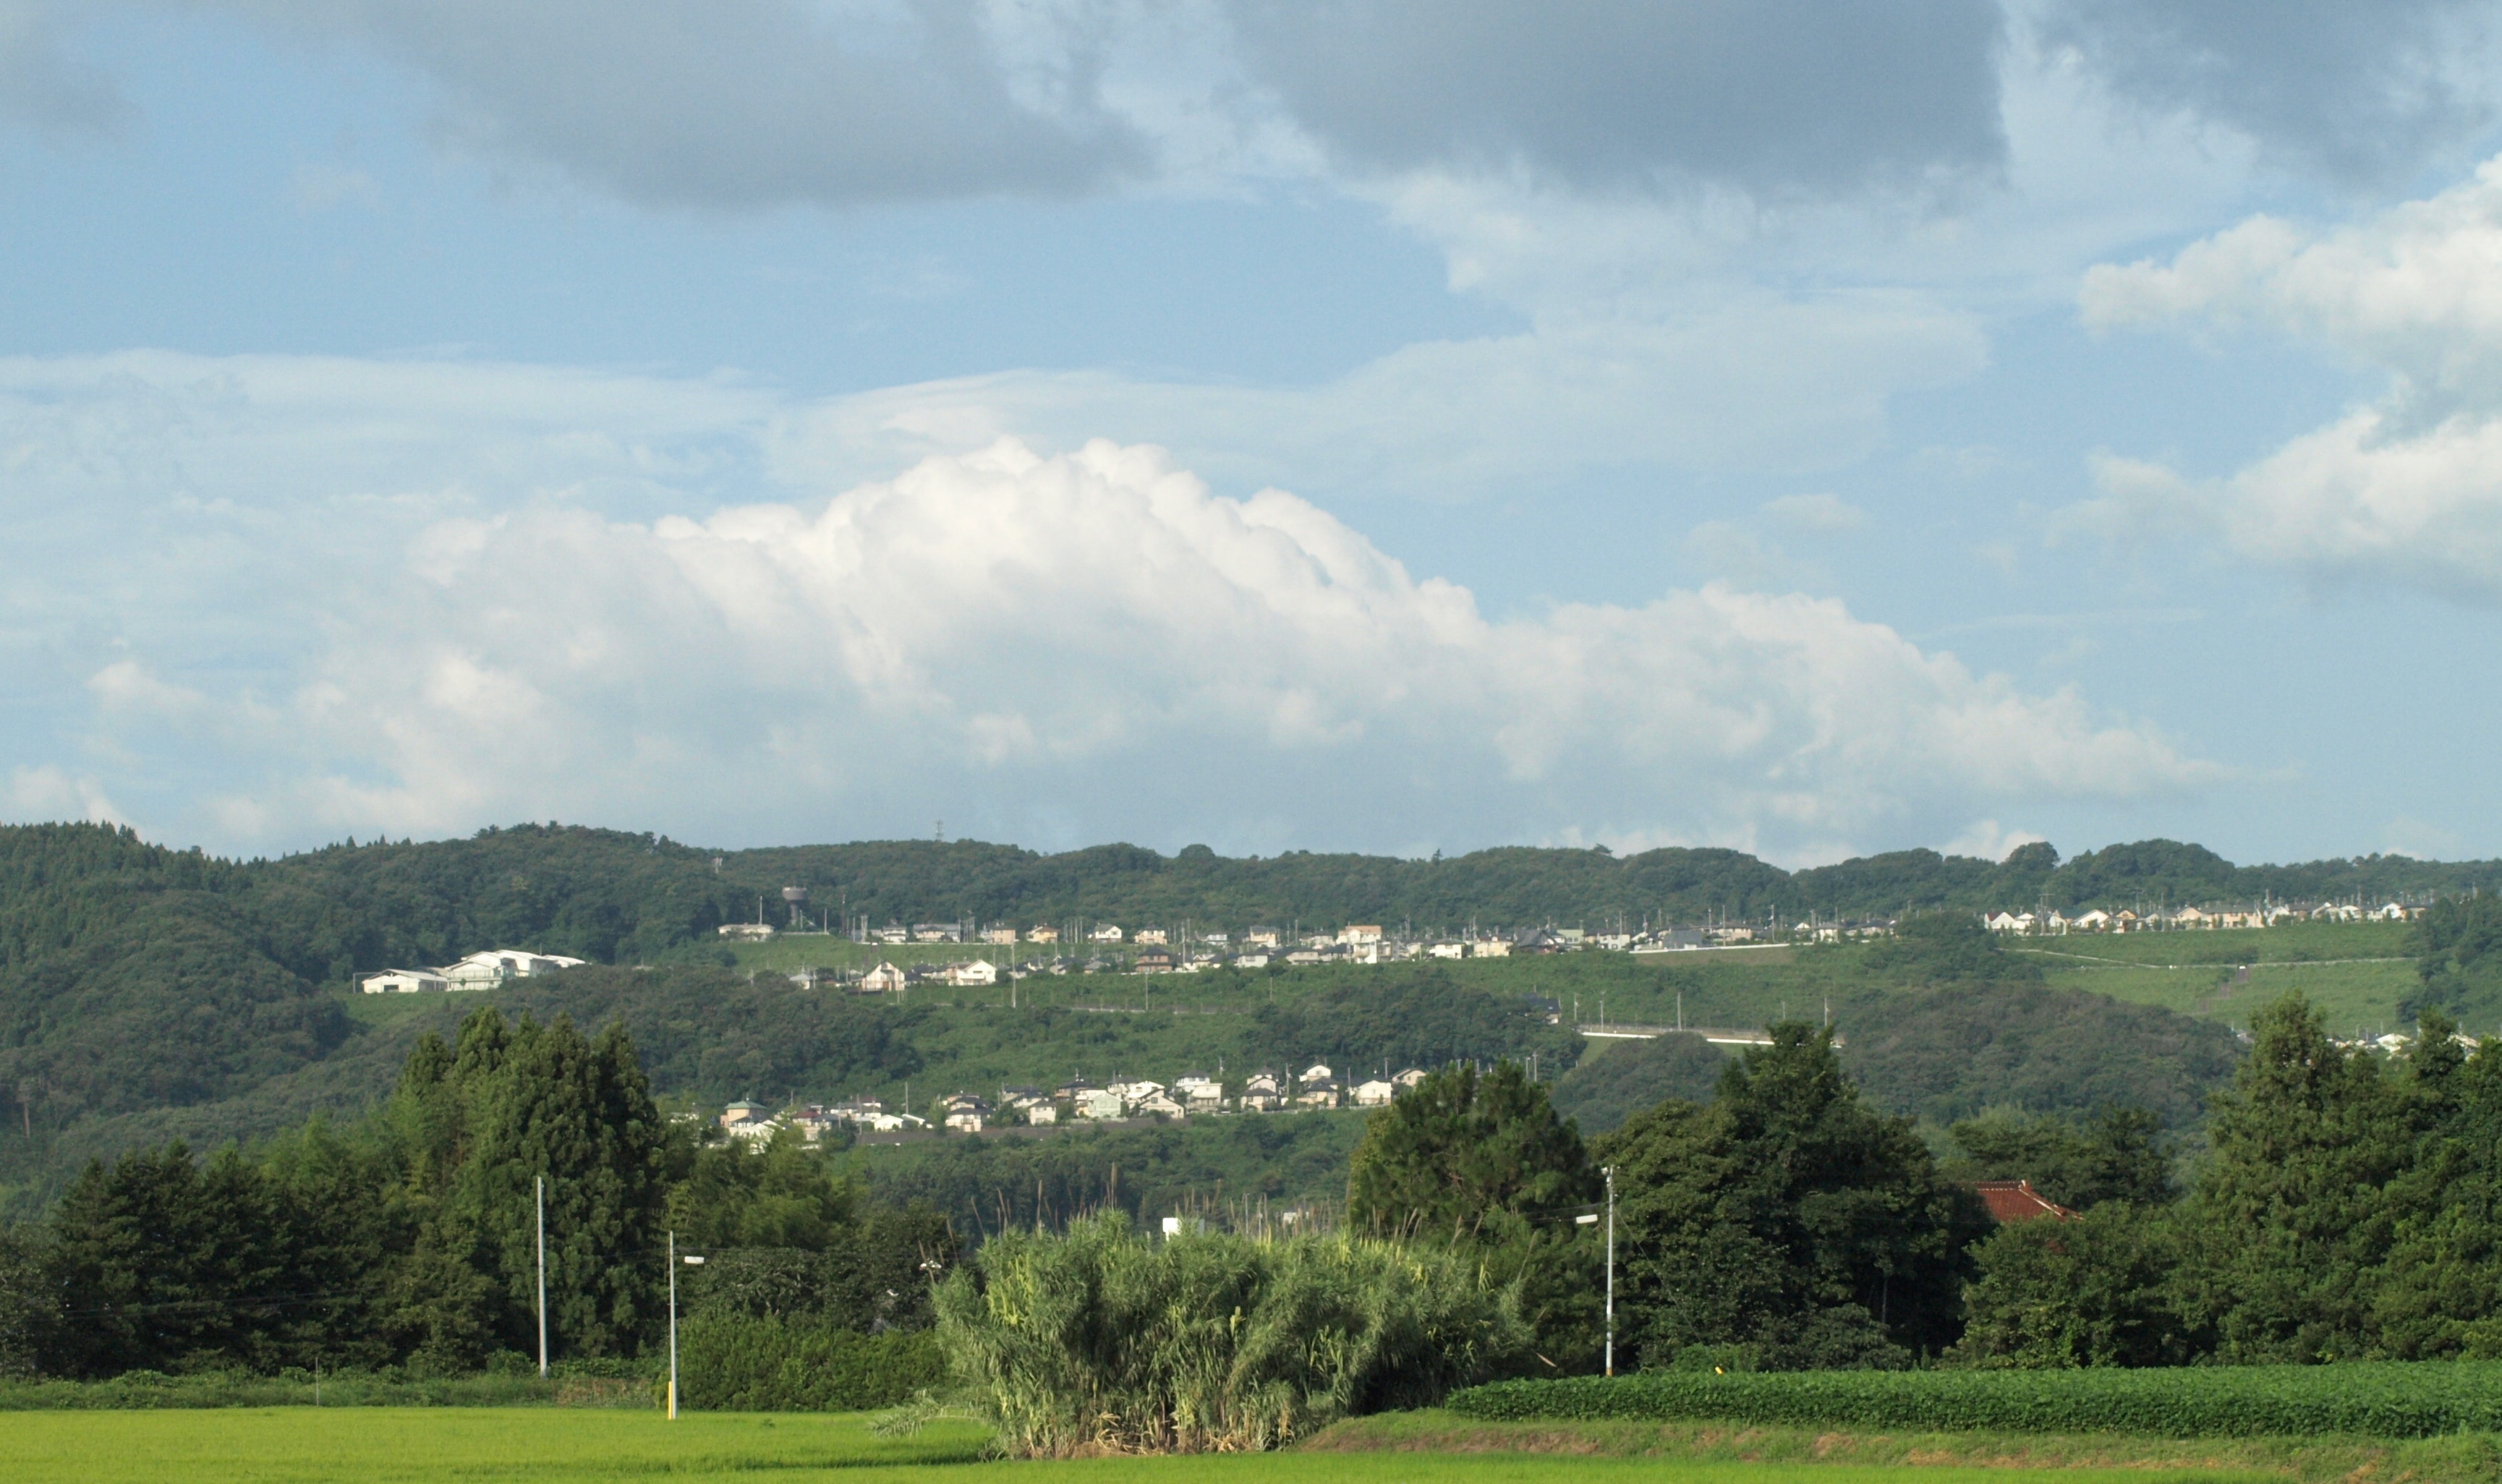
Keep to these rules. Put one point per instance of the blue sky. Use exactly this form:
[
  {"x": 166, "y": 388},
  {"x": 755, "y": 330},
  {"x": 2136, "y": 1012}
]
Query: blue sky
[{"x": 1812, "y": 427}]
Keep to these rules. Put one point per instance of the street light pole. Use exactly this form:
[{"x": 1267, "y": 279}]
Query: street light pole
[
  {"x": 542, "y": 1189},
  {"x": 1610, "y": 1174},
  {"x": 673, "y": 1326},
  {"x": 691, "y": 1261}
]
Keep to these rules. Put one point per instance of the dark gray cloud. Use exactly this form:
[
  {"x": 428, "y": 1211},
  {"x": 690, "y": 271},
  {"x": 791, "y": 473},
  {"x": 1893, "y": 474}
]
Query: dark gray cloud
[
  {"x": 1816, "y": 95},
  {"x": 40, "y": 84},
  {"x": 2360, "y": 90},
  {"x": 738, "y": 103}
]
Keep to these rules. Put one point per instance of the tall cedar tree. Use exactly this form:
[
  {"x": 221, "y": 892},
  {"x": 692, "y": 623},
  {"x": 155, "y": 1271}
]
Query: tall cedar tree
[
  {"x": 1786, "y": 1219},
  {"x": 1480, "y": 1160},
  {"x": 539, "y": 1100},
  {"x": 2290, "y": 1220}
]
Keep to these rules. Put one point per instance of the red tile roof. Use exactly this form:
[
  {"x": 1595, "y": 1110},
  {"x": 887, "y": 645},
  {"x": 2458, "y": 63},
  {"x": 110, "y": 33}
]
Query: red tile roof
[{"x": 2013, "y": 1200}]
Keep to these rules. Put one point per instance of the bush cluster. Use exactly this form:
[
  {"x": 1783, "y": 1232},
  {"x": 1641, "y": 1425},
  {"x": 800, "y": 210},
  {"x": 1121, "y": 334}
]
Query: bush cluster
[
  {"x": 1100, "y": 1341},
  {"x": 2373, "y": 1399},
  {"x": 742, "y": 1363}
]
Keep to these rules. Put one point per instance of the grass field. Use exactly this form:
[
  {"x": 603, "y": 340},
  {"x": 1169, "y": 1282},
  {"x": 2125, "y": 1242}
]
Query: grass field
[
  {"x": 1827, "y": 1453},
  {"x": 2356, "y": 973},
  {"x": 299, "y": 1445}
]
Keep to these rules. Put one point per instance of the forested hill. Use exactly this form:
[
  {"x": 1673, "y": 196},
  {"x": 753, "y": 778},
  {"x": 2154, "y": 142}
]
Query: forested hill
[
  {"x": 618, "y": 898},
  {"x": 148, "y": 991}
]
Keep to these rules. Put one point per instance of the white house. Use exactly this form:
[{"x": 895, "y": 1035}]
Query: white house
[
  {"x": 1449, "y": 950},
  {"x": 1262, "y": 937},
  {"x": 979, "y": 973},
  {"x": 2096, "y": 920},
  {"x": 885, "y": 979},
  {"x": 402, "y": 981},
  {"x": 760, "y": 1131},
  {"x": 1491, "y": 947},
  {"x": 1043, "y": 1113},
  {"x": 746, "y": 933},
  {"x": 1108, "y": 933},
  {"x": 1042, "y": 935},
  {"x": 1151, "y": 936},
  {"x": 1137, "y": 1091},
  {"x": 2002, "y": 921},
  {"x": 1376, "y": 1093},
  {"x": 487, "y": 969},
  {"x": 1318, "y": 1072},
  {"x": 1204, "y": 1097},
  {"x": 1252, "y": 960},
  {"x": 1161, "y": 1106},
  {"x": 1357, "y": 934},
  {"x": 1409, "y": 1078}
]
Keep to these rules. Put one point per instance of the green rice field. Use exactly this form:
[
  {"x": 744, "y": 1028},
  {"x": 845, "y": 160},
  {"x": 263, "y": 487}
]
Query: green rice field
[{"x": 550, "y": 1446}]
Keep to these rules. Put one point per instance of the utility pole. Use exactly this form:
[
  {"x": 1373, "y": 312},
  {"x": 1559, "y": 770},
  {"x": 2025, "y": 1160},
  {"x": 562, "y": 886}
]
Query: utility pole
[
  {"x": 673, "y": 1325},
  {"x": 542, "y": 1188},
  {"x": 1609, "y": 1172}
]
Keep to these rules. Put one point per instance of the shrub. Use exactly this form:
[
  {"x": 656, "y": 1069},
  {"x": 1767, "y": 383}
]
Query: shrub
[
  {"x": 1097, "y": 1341},
  {"x": 2376, "y": 1399},
  {"x": 739, "y": 1363}
]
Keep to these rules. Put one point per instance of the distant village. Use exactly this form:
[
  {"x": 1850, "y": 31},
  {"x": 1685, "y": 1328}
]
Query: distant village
[
  {"x": 1010, "y": 954},
  {"x": 1078, "y": 1100}
]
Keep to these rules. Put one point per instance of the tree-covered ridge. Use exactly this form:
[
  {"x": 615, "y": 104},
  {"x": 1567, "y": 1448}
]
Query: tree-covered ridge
[{"x": 618, "y": 898}]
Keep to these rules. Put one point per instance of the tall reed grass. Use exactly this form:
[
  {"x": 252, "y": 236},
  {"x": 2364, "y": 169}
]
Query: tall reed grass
[{"x": 1103, "y": 1341}]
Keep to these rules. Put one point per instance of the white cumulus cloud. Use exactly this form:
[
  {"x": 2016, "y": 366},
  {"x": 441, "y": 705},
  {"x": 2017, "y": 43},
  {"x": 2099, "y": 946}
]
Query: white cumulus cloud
[
  {"x": 564, "y": 594},
  {"x": 2407, "y": 490}
]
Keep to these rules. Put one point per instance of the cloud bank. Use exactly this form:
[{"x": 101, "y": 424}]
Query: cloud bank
[
  {"x": 2404, "y": 492},
  {"x": 628, "y": 601}
]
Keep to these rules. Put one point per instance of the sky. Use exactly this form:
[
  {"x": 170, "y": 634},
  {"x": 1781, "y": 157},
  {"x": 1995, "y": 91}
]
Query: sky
[{"x": 1810, "y": 427}]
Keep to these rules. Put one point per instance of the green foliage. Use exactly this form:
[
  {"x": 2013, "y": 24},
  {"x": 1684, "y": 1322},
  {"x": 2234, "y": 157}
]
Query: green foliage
[
  {"x": 991, "y": 1183},
  {"x": 1942, "y": 949},
  {"x": 2288, "y": 1218},
  {"x": 29, "y": 1304},
  {"x": 1415, "y": 1019},
  {"x": 1098, "y": 1342},
  {"x": 2459, "y": 965},
  {"x": 2371, "y": 1401},
  {"x": 1481, "y": 1163},
  {"x": 1459, "y": 1149},
  {"x": 1953, "y": 1053},
  {"x": 1787, "y": 1216},
  {"x": 2089, "y": 1292},
  {"x": 736, "y": 1362},
  {"x": 1612, "y": 1084},
  {"x": 511, "y": 1106},
  {"x": 2114, "y": 1155},
  {"x": 153, "y": 1391}
]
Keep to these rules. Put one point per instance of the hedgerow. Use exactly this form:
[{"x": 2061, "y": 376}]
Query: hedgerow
[{"x": 2384, "y": 1400}]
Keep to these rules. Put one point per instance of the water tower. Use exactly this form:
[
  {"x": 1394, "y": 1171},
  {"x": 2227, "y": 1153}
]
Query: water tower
[{"x": 795, "y": 896}]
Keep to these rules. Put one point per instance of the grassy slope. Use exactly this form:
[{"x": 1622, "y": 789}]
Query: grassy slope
[
  {"x": 2312, "y": 1461},
  {"x": 2355, "y": 972},
  {"x": 550, "y": 1448}
]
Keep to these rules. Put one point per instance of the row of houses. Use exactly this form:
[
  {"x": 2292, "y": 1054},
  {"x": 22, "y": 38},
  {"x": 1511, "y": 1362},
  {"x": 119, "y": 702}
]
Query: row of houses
[
  {"x": 477, "y": 972},
  {"x": 1078, "y": 1099},
  {"x": 2052, "y": 923}
]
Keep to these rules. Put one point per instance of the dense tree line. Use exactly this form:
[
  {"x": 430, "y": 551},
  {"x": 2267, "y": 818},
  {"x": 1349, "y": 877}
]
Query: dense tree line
[
  {"x": 2348, "y": 1206},
  {"x": 411, "y": 1239}
]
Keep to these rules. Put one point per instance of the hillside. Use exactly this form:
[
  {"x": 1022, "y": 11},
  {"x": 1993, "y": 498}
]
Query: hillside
[{"x": 145, "y": 991}]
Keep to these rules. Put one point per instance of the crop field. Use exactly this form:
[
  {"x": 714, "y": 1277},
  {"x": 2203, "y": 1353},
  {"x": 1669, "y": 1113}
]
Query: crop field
[
  {"x": 2390, "y": 1400},
  {"x": 302, "y": 1445}
]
